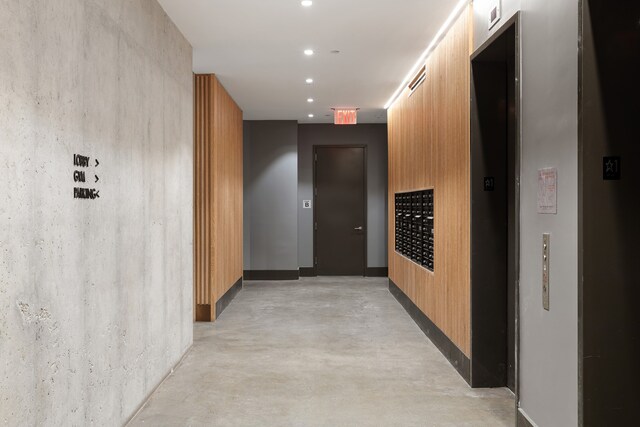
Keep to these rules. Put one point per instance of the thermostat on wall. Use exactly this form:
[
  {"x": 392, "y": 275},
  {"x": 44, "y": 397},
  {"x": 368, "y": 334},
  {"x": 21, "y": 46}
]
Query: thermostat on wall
[{"x": 495, "y": 14}]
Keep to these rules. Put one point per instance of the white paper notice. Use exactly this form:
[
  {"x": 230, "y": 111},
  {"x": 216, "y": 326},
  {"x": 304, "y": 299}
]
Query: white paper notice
[{"x": 548, "y": 191}]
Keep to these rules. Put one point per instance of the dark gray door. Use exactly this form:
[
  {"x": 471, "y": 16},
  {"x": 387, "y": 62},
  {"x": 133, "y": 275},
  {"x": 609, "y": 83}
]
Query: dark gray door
[{"x": 340, "y": 206}]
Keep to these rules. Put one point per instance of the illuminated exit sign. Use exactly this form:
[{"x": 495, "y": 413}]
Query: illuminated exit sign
[{"x": 345, "y": 116}]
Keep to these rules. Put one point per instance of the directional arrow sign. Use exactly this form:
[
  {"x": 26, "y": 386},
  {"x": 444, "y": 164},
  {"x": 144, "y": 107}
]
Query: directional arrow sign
[
  {"x": 97, "y": 162},
  {"x": 97, "y": 179}
]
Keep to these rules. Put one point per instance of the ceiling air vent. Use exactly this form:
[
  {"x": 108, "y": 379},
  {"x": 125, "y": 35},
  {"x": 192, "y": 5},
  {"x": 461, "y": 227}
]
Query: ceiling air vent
[{"x": 418, "y": 79}]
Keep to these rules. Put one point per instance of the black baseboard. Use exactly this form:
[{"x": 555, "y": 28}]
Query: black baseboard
[
  {"x": 308, "y": 272},
  {"x": 377, "y": 272},
  {"x": 223, "y": 302},
  {"x": 271, "y": 275},
  {"x": 369, "y": 272},
  {"x": 522, "y": 420},
  {"x": 456, "y": 357}
]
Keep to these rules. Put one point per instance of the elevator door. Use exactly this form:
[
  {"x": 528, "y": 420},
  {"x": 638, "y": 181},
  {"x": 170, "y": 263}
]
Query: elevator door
[
  {"x": 494, "y": 213},
  {"x": 609, "y": 211},
  {"x": 340, "y": 210}
]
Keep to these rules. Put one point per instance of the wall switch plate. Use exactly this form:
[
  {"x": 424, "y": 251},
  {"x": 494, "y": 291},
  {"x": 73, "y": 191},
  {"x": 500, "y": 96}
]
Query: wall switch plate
[{"x": 546, "y": 241}]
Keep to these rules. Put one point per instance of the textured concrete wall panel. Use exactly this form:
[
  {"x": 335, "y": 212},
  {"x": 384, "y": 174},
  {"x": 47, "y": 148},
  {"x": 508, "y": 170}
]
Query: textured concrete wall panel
[{"x": 95, "y": 295}]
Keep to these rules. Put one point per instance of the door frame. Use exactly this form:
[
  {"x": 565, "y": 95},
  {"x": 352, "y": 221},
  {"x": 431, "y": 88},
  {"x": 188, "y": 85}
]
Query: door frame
[
  {"x": 513, "y": 22},
  {"x": 315, "y": 199}
]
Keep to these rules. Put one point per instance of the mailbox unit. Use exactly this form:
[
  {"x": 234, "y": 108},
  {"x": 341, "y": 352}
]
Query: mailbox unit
[{"x": 414, "y": 227}]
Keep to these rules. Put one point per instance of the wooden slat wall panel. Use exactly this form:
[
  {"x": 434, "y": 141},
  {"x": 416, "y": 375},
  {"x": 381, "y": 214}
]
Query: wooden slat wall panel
[
  {"x": 228, "y": 189},
  {"x": 218, "y": 194},
  {"x": 429, "y": 139},
  {"x": 202, "y": 223}
]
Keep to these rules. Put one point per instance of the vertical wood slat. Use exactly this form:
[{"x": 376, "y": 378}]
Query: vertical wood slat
[
  {"x": 206, "y": 157},
  {"x": 218, "y": 191},
  {"x": 195, "y": 206},
  {"x": 429, "y": 147},
  {"x": 204, "y": 195},
  {"x": 203, "y": 199},
  {"x": 196, "y": 196}
]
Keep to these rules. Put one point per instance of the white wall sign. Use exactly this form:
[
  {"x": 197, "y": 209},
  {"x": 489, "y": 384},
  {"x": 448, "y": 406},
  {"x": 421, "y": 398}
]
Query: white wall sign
[
  {"x": 548, "y": 191},
  {"x": 306, "y": 204},
  {"x": 495, "y": 13}
]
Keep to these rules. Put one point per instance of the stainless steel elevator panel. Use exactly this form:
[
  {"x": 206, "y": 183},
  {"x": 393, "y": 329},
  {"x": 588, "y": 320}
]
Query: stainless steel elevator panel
[{"x": 546, "y": 241}]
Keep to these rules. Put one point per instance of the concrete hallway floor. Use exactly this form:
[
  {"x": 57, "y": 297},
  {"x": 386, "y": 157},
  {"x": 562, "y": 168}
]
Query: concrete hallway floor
[{"x": 319, "y": 352}]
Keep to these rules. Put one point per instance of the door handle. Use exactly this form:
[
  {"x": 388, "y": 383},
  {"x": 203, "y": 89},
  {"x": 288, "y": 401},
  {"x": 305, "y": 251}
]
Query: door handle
[{"x": 358, "y": 228}]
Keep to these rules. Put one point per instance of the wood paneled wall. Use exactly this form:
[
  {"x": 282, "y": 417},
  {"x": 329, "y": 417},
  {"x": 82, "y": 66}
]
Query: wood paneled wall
[
  {"x": 429, "y": 137},
  {"x": 218, "y": 194}
]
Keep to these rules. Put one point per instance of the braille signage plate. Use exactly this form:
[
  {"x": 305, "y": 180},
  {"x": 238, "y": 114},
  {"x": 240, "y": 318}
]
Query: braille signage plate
[
  {"x": 489, "y": 183},
  {"x": 611, "y": 168},
  {"x": 306, "y": 204}
]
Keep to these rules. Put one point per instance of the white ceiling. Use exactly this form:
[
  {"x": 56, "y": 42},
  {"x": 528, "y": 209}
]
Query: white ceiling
[{"x": 255, "y": 47}]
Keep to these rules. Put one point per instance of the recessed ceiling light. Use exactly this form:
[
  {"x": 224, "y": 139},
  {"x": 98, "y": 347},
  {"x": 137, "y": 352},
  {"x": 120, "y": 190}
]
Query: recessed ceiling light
[
  {"x": 310, "y": 100},
  {"x": 309, "y": 81},
  {"x": 311, "y": 116},
  {"x": 308, "y": 52},
  {"x": 306, "y": 3}
]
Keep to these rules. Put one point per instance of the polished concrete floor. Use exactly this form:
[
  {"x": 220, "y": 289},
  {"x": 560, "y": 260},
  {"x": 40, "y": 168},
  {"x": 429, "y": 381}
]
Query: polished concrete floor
[{"x": 319, "y": 352}]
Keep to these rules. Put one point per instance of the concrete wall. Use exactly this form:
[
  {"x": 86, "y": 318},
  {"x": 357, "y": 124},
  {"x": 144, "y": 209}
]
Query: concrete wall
[
  {"x": 548, "y": 340},
  {"x": 95, "y": 295},
  {"x": 374, "y": 136},
  {"x": 270, "y": 195}
]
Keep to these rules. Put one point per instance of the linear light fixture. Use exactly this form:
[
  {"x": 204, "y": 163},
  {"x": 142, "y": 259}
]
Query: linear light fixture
[{"x": 420, "y": 62}]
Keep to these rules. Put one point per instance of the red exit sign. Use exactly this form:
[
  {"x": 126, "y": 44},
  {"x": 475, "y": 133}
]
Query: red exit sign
[{"x": 345, "y": 116}]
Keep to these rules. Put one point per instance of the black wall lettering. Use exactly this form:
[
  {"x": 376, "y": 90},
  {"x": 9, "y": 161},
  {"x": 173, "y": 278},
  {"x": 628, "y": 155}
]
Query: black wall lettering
[
  {"x": 78, "y": 176},
  {"x": 86, "y": 193},
  {"x": 80, "y": 161}
]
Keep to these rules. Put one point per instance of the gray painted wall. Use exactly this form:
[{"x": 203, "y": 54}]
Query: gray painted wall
[
  {"x": 548, "y": 340},
  {"x": 374, "y": 136},
  {"x": 270, "y": 195},
  {"x": 95, "y": 296}
]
